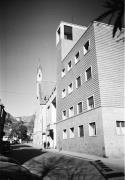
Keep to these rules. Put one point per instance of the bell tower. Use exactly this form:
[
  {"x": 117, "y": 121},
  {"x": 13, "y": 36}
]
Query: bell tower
[{"x": 38, "y": 82}]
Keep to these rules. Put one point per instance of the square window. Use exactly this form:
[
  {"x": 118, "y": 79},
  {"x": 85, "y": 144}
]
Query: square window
[
  {"x": 63, "y": 93},
  {"x": 70, "y": 88},
  {"x": 79, "y": 107},
  {"x": 78, "y": 82},
  {"x": 64, "y": 114},
  {"x": 90, "y": 102},
  {"x": 77, "y": 57},
  {"x": 88, "y": 74},
  {"x": 92, "y": 129},
  {"x": 69, "y": 65},
  {"x": 64, "y": 134},
  {"x": 71, "y": 111},
  {"x": 68, "y": 32},
  {"x": 71, "y": 132},
  {"x": 86, "y": 47},
  {"x": 63, "y": 72},
  {"x": 120, "y": 127},
  {"x": 80, "y": 131}
]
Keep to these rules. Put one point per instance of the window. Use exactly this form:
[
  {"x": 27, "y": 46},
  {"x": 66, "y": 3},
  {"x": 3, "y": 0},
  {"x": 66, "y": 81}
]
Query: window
[
  {"x": 71, "y": 132},
  {"x": 88, "y": 73},
  {"x": 76, "y": 57},
  {"x": 92, "y": 129},
  {"x": 63, "y": 72},
  {"x": 86, "y": 47},
  {"x": 58, "y": 31},
  {"x": 90, "y": 102},
  {"x": 64, "y": 114},
  {"x": 79, "y": 107},
  {"x": 69, "y": 65},
  {"x": 48, "y": 107},
  {"x": 120, "y": 127},
  {"x": 80, "y": 131},
  {"x": 63, "y": 93},
  {"x": 58, "y": 36},
  {"x": 78, "y": 82},
  {"x": 64, "y": 134},
  {"x": 68, "y": 32},
  {"x": 70, "y": 88},
  {"x": 71, "y": 111}
]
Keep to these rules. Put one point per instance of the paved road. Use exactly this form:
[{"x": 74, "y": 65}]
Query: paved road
[
  {"x": 52, "y": 165},
  {"x": 49, "y": 165}
]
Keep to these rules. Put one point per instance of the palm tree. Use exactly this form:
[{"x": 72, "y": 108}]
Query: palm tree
[{"x": 115, "y": 13}]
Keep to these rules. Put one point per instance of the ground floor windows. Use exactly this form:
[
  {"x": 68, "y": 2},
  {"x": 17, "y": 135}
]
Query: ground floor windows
[
  {"x": 71, "y": 132},
  {"x": 92, "y": 129},
  {"x": 120, "y": 127},
  {"x": 80, "y": 131}
]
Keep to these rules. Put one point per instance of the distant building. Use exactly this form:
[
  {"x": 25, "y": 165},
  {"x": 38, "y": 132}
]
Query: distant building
[
  {"x": 44, "y": 124},
  {"x": 51, "y": 119},
  {"x": 90, "y": 90},
  {"x": 40, "y": 116}
]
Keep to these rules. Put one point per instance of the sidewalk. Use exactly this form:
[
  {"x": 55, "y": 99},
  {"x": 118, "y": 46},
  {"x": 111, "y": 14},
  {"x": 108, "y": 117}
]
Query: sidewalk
[{"x": 117, "y": 163}]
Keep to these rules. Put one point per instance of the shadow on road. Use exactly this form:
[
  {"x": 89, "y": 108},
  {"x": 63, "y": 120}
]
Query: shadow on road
[
  {"x": 56, "y": 166},
  {"x": 16, "y": 146},
  {"x": 23, "y": 153}
]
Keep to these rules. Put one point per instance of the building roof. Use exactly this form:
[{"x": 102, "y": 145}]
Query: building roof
[{"x": 46, "y": 90}]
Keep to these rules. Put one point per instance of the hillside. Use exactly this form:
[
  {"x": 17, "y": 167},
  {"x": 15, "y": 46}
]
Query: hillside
[{"x": 29, "y": 122}]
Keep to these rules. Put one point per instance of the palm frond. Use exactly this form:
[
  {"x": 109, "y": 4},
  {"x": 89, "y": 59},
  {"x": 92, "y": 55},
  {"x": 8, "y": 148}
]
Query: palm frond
[
  {"x": 104, "y": 15},
  {"x": 107, "y": 4},
  {"x": 115, "y": 11},
  {"x": 111, "y": 18},
  {"x": 118, "y": 24}
]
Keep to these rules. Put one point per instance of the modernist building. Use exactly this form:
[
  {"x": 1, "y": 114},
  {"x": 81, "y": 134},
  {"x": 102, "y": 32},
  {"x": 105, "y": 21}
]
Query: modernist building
[{"x": 90, "y": 90}]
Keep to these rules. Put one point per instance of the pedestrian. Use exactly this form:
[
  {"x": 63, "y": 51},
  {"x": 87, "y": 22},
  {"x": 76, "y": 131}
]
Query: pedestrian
[
  {"x": 48, "y": 144},
  {"x": 44, "y": 145}
]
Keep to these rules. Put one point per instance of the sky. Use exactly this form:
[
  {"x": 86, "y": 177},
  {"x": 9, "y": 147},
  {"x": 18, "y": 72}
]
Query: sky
[{"x": 27, "y": 34}]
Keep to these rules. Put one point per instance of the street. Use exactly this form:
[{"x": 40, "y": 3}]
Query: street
[{"x": 51, "y": 165}]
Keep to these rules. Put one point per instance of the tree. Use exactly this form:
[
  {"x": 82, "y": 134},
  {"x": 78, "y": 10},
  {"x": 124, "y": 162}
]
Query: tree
[
  {"x": 115, "y": 14},
  {"x": 19, "y": 130}
]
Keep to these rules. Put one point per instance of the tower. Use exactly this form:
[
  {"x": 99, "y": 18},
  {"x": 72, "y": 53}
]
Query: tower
[
  {"x": 38, "y": 83},
  {"x": 41, "y": 111}
]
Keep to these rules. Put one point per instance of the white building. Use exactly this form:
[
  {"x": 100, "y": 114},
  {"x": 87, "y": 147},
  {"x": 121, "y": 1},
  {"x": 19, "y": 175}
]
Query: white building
[{"x": 44, "y": 125}]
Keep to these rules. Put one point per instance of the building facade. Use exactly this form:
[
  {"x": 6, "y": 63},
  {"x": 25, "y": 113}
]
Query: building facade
[
  {"x": 51, "y": 120},
  {"x": 40, "y": 116},
  {"x": 90, "y": 90},
  {"x": 44, "y": 132}
]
